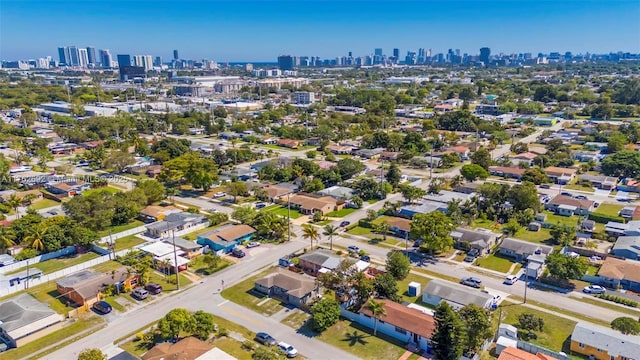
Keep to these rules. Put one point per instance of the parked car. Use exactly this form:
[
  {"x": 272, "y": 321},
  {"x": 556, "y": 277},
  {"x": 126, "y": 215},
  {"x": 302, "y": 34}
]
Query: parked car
[
  {"x": 253, "y": 244},
  {"x": 153, "y": 288},
  {"x": 260, "y": 205},
  {"x": 345, "y": 224},
  {"x": 510, "y": 279},
  {"x": 238, "y": 253},
  {"x": 353, "y": 248},
  {"x": 472, "y": 255},
  {"x": 581, "y": 197},
  {"x": 140, "y": 293},
  {"x": 287, "y": 349},
  {"x": 545, "y": 186},
  {"x": 594, "y": 289},
  {"x": 566, "y": 193},
  {"x": 596, "y": 204},
  {"x": 219, "y": 195},
  {"x": 102, "y": 307},
  {"x": 471, "y": 281},
  {"x": 265, "y": 339},
  {"x": 366, "y": 258}
]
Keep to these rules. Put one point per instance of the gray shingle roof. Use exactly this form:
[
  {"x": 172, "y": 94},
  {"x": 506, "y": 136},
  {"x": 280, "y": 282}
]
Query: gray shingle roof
[
  {"x": 629, "y": 243},
  {"x": 456, "y": 293},
  {"x": 524, "y": 247},
  {"x": 323, "y": 258},
  {"x": 21, "y": 311},
  {"x": 609, "y": 340}
]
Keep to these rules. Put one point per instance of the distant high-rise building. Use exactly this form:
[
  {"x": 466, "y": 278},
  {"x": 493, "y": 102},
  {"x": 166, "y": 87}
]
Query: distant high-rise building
[
  {"x": 377, "y": 52},
  {"x": 396, "y": 53},
  {"x": 485, "y": 53},
  {"x": 83, "y": 58},
  {"x": 124, "y": 60},
  {"x": 91, "y": 54},
  {"x": 157, "y": 61},
  {"x": 63, "y": 55},
  {"x": 350, "y": 54},
  {"x": 144, "y": 61},
  {"x": 286, "y": 62},
  {"x": 74, "y": 56},
  {"x": 105, "y": 58},
  {"x": 175, "y": 55}
]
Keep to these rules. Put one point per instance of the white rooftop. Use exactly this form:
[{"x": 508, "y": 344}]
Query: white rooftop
[{"x": 160, "y": 249}]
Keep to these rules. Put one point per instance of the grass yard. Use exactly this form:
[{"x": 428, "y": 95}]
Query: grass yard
[
  {"x": 555, "y": 334},
  {"x": 487, "y": 224},
  {"x": 372, "y": 201},
  {"x": 120, "y": 228},
  {"x": 561, "y": 220},
  {"x": 609, "y": 209},
  {"x": 126, "y": 242},
  {"x": 359, "y": 341},
  {"x": 284, "y": 211},
  {"x": 52, "y": 265},
  {"x": 403, "y": 287},
  {"x": 43, "y": 204},
  {"x": 198, "y": 266},
  {"x": 575, "y": 185},
  {"x": 66, "y": 334},
  {"x": 232, "y": 347},
  {"x": 296, "y": 319},
  {"x": 168, "y": 282},
  {"x": 243, "y": 294},
  {"x": 497, "y": 263},
  {"x": 341, "y": 213},
  {"x": 610, "y": 305},
  {"x": 48, "y": 294},
  {"x": 110, "y": 189},
  {"x": 269, "y": 208},
  {"x": 533, "y": 236},
  {"x": 359, "y": 230}
]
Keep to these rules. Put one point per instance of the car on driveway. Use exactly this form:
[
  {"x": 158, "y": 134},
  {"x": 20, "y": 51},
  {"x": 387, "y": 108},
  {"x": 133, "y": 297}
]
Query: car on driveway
[
  {"x": 140, "y": 293},
  {"x": 253, "y": 244},
  {"x": 472, "y": 255},
  {"x": 366, "y": 258},
  {"x": 260, "y": 205},
  {"x": 471, "y": 281},
  {"x": 353, "y": 248},
  {"x": 511, "y": 279},
  {"x": 265, "y": 339},
  {"x": 238, "y": 253},
  {"x": 102, "y": 307},
  {"x": 594, "y": 289},
  {"x": 287, "y": 349},
  {"x": 153, "y": 288},
  {"x": 219, "y": 195},
  {"x": 345, "y": 224}
]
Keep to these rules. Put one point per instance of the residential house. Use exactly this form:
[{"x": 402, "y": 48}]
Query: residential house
[
  {"x": 585, "y": 156},
  {"x": 458, "y": 296},
  {"x": 165, "y": 256},
  {"x": 513, "y": 353},
  {"x": 340, "y": 193},
  {"x": 67, "y": 188},
  {"x": 226, "y": 238},
  {"x": 308, "y": 204},
  {"x": 627, "y": 247},
  {"x": 153, "y": 213},
  {"x": 520, "y": 249},
  {"x": 389, "y": 155},
  {"x": 602, "y": 343},
  {"x": 190, "y": 249},
  {"x": 544, "y": 121},
  {"x": 538, "y": 150},
  {"x": 290, "y": 287},
  {"x": 443, "y": 108},
  {"x": 34, "y": 194},
  {"x": 318, "y": 261},
  {"x": 481, "y": 239},
  {"x": 567, "y": 205},
  {"x": 407, "y": 324},
  {"x": 189, "y": 348},
  {"x": 85, "y": 287},
  {"x": 153, "y": 171},
  {"x": 463, "y": 151},
  {"x": 326, "y": 165},
  {"x": 24, "y": 319},
  {"x": 629, "y": 185},
  {"x": 432, "y": 162},
  {"x": 524, "y": 158},
  {"x": 369, "y": 153},
  {"x": 596, "y": 145},
  {"x": 177, "y": 223},
  {"x": 468, "y": 188},
  {"x": 506, "y": 172},
  {"x": 618, "y": 273},
  {"x": 560, "y": 175},
  {"x": 289, "y": 143},
  {"x": 601, "y": 182},
  {"x": 274, "y": 192},
  {"x": 631, "y": 228},
  {"x": 339, "y": 149},
  {"x": 399, "y": 226},
  {"x": 229, "y": 135},
  {"x": 423, "y": 207},
  {"x": 628, "y": 211}
]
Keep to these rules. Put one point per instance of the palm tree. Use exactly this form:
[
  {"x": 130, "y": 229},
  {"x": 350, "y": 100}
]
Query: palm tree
[
  {"x": 455, "y": 181},
  {"x": 171, "y": 192},
  {"x": 310, "y": 232},
  {"x": 382, "y": 228},
  {"x": 14, "y": 202},
  {"x": 454, "y": 211},
  {"x": 7, "y": 236},
  {"x": 377, "y": 310},
  {"x": 35, "y": 237},
  {"x": 330, "y": 231}
]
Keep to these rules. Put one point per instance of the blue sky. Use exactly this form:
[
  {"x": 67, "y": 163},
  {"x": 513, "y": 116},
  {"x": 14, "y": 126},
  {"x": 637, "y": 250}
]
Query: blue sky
[{"x": 261, "y": 30}]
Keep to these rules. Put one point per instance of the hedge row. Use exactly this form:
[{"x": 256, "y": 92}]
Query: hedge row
[
  {"x": 618, "y": 299},
  {"x": 603, "y": 219}
]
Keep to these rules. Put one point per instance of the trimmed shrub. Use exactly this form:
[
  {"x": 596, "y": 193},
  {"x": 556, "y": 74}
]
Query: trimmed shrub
[{"x": 618, "y": 300}]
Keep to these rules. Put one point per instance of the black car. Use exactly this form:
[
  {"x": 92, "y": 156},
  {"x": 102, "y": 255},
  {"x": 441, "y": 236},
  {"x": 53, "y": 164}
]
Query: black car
[
  {"x": 344, "y": 224},
  {"x": 238, "y": 253},
  {"x": 265, "y": 339},
  {"x": 545, "y": 186},
  {"x": 366, "y": 258},
  {"x": 472, "y": 255},
  {"x": 153, "y": 288},
  {"x": 102, "y": 307}
]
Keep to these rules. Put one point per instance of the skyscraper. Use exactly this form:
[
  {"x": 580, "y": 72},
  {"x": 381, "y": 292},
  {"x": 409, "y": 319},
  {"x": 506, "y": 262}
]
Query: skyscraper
[
  {"x": 105, "y": 58},
  {"x": 485, "y": 53},
  {"x": 175, "y": 55},
  {"x": 286, "y": 62},
  {"x": 91, "y": 54},
  {"x": 63, "y": 55},
  {"x": 74, "y": 56},
  {"x": 377, "y": 52},
  {"x": 396, "y": 53},
  {"x": 124, "y": 60},
  {"x": 83, "y": 58}
]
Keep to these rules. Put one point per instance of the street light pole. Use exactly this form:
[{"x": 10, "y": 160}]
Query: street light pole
[
  {"x": 289, "y": 217},
  {"x": 175, "y": 259},
  {"x": 26, "y": 282},
  {"x": 526, "y": 285}
]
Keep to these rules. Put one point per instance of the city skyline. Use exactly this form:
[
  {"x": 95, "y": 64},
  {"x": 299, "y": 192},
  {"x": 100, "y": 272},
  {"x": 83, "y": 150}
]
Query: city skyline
[{"x": 258, "y": 31}]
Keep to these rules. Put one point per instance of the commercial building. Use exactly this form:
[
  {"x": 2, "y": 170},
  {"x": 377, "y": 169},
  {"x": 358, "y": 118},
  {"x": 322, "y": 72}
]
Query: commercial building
[
  {"x": 286, "y": 62},
  {"x": 304, "y": 97}
]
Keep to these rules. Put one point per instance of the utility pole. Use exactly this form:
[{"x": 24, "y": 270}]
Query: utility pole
[
  {"x": 26, "y": 282},
  {"x": 526, "y": 284},
  {"x": 175, "y": 259},
  {"x": 406, "y": 243},
  {"x": 289, "y": 217}
]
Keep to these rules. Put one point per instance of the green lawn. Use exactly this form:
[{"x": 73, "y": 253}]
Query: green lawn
[
  {"x": 269, "y": 208},
  {"x": 533, "y": 236},
  {"x": 372, "y": 201},
  {"x": 561, "y": 220},
  {"x": 575, "y": 185},
  {"x": 198, "y": 266},
  {"x": 341, "y": 213},
  {"x": 48, "y": 294},
  {"x": 67, "y": 334},
  {"x": 284, "y": 211},
  {"x": 296, "y": 319},
  {"x": 120, "y": 228},
  {"x": 109, "y": 189},
  {"x": 486, "y": 224},
  {"x": 243, "y": 294},
  {"x": 556, "y": 331},
  {"x": 43, "y": 204},
  {"x": 53, "y": 265},
  {"x": 126, "y": 242},
  {"x": 497, "y": 263},
  {"x": 359, "y": 230},
  {"x": 359, "y": 341},
  {"x": 609, "y": 209},
  {"x": 168, "y": 281},
  {"x": 403, "y": 287}
]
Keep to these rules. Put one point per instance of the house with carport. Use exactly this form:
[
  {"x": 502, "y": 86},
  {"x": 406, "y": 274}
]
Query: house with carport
[
  {"x": 223, "y": 240},
  {"x": 481, "y": 239},
  {"x": 85, "y": 287}
]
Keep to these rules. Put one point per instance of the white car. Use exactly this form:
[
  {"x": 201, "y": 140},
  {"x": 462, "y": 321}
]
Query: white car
[
  {"x": 219, "y": 195},
  {"x": 510, "y": 279},
  {"x": 253, "y": 244},
  {"x": 594, "y": 289},
  {"x": 287, "y": 349}
]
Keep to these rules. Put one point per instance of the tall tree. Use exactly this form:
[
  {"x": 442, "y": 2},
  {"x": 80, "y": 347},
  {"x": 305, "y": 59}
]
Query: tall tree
[
  {"x": 565, "y": 267},
  {"x": 626, "y": 325},
  {"x": 14, "y": 202},
  {"x": 236, "y": 188},
  {"x": 92, "y": 354},
  {"x": 435, "y": 230},
  {"x": 330, "y": 231},
  {"x": 473, "y": 172},
  {"x": 153, "y": 190},
  {"x": 35, "y": 237},
  {"x": 394, "y": 175},
  {"x": 411, "y": 193},
  {"x": 310, "y": 233},
  {"x": 174, "y": 322},
  {"x": 482, "y": 157},
  {"x": 398, "y": 265},
  {"x": 386, "y": 286},
  {"x": 377, "y": 311},
  {"x": 449, "y": 338},
  {"x": 478, "y": 325},
  {"x": 7, "y": 238},
  {"x": 324, "y": 313}
]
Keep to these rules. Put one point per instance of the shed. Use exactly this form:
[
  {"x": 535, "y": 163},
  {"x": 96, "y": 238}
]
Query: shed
[{"x": 414, "y": 288}]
